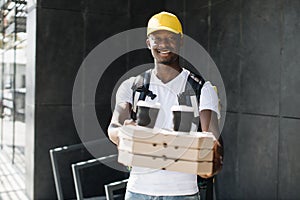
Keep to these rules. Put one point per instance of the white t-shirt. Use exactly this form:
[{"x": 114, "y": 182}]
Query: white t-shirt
[{"x": 161, "y": 182}]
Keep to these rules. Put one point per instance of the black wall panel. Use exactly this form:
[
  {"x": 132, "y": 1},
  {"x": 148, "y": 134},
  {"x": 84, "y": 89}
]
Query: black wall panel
[{"x": 255, "y": 45}]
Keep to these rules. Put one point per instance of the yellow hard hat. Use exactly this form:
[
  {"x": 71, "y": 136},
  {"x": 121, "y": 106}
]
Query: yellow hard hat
[{"x": 164, "y": 21}]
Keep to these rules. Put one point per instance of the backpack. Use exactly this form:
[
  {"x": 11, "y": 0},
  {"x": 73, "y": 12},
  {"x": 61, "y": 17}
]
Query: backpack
[{"x": 192, "y": 89}]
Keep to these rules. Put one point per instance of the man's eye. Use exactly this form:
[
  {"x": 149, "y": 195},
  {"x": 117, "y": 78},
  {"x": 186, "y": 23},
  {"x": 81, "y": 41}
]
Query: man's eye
[{"x": 172, "y": 39}]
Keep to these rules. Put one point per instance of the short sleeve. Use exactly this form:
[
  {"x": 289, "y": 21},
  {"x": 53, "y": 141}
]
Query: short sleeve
[
  {"x": 209, "y": 99},
  {"x": 124, "y": 92}
]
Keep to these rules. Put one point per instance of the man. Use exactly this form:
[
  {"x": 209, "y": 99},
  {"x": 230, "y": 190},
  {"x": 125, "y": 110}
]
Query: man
[{"x": 168, "y": 80}]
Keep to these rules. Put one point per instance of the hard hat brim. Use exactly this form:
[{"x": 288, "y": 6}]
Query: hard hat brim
[{"x": 162, "y": 28}]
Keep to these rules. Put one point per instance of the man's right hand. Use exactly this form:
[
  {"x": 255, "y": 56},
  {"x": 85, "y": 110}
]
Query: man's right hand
[
  {"x": 129, "y": 122},
  {"x": 121, "y": 116}
]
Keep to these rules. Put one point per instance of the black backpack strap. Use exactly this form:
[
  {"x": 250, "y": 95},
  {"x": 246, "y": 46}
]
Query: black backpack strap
[
  {"x": 192, "y": 88},
  {"x": 196, "y": 82},
  {"x": 141, "y": 85}
]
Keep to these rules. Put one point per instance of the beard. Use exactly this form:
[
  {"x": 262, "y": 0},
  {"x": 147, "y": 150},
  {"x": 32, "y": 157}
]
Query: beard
[{"x": 168, "y": 61}]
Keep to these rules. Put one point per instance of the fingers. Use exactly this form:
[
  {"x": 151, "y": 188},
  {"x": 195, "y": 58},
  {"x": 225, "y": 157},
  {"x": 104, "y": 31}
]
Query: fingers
[
  {"x": 129, "y": 122},
  {"x": 117, "y": 141},
  {"x": 217, "y": 160},
  {"x": 212, "y": 174},
  {"x": 206, "y": 176}
]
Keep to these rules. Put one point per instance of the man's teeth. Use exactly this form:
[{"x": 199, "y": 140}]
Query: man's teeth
[{"x": 164, "y": 51}]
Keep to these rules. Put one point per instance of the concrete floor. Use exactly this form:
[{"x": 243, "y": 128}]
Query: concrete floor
[{"x": 12, "y": 176}]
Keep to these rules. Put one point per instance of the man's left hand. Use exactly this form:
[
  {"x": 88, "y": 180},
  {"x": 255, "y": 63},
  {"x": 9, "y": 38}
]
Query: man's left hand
[{"x": 217, "y": 160}]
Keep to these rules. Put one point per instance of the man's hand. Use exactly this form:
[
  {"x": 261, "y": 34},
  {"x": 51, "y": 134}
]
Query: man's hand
[
  {"x": 113, "y": 130},
  {"x": 209, "y": 123},
  {"x": 217, "y": 160},
  {"x": 121, "y": 114},
  {"x": 129, "y": 122}
]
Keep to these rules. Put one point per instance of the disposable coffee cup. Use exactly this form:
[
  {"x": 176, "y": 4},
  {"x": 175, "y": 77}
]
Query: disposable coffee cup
[
  {"x": 147, "y": 113},
  {"x": 182, "y": 118}
]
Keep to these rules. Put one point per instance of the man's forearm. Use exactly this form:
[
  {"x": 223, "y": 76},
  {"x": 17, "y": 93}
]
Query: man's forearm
[
  {"x": 209, "y": 122},
  {"x": 113, "y": 132}
]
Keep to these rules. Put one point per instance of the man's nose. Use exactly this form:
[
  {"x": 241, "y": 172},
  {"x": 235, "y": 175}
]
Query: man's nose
[{"x": 164, "y": 42}]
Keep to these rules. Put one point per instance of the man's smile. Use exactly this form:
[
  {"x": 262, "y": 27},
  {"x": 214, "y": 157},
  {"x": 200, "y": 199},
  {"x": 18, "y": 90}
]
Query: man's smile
[{"x": 164, "y": 52}]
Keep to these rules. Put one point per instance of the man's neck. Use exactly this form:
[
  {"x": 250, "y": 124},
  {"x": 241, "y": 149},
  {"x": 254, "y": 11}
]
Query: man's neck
[{"x": 167, "y": 73}]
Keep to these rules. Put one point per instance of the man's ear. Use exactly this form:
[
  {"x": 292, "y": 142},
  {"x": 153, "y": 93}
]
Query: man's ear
[{"x": 148, "y": 43}]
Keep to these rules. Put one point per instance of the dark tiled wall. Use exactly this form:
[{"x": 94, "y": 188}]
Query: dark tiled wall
[{"x": 255, "y": 45}]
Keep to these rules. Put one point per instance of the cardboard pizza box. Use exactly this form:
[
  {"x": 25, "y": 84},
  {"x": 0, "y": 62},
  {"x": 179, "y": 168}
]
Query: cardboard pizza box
[
  {"x": 160, "y": 150},
  {"x": 196, "y": 140},
  {"x": 162, "y": 163}
]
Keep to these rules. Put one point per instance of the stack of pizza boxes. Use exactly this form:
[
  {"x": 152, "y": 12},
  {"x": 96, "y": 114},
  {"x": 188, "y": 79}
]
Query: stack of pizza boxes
[{"x": 167, "y": 150}]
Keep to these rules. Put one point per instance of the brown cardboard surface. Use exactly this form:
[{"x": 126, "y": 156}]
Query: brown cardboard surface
[
  {"x": 159, "y": 150},
  {"x": 196, "y": 140},
  {"x": 192, "y": 167}
]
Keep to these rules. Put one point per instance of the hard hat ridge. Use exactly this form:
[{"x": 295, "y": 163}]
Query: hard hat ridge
[{"x": 164, "y": 21}]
